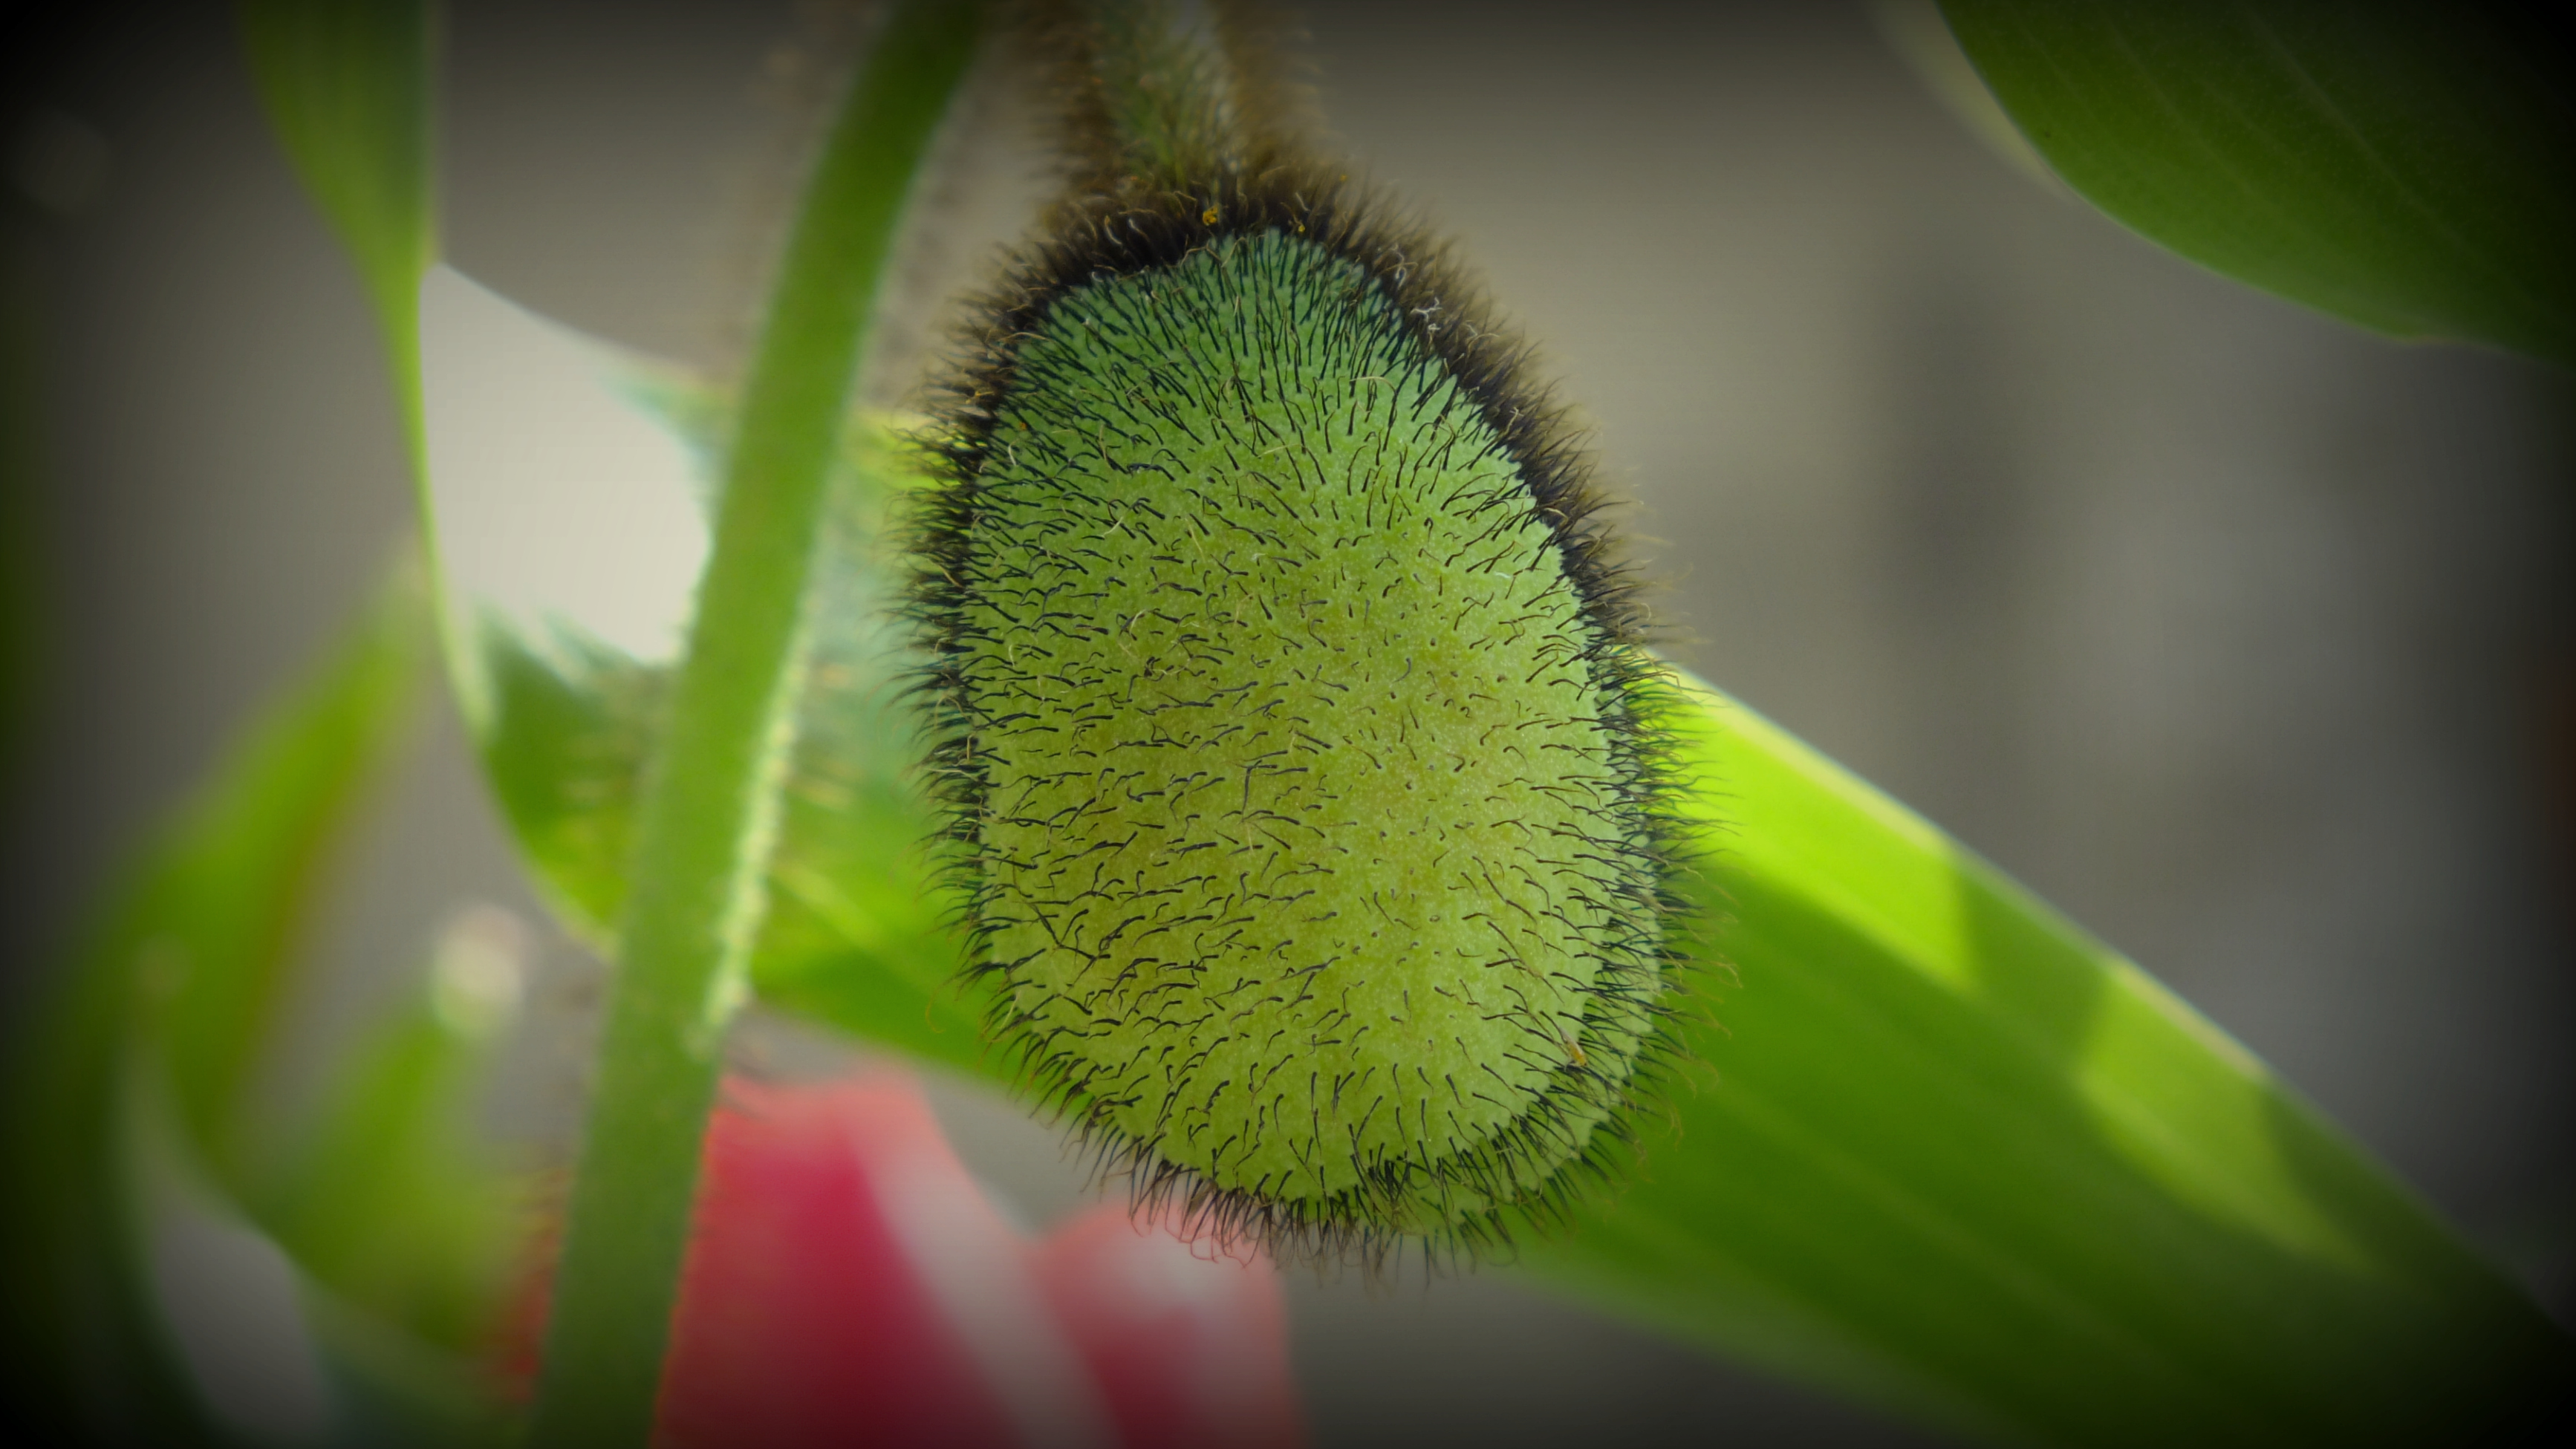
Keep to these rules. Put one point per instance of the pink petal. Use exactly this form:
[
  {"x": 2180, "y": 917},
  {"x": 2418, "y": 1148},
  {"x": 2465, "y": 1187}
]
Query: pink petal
[
  {"x": 803, "y": 1318},
  {"x": 1189, "y": 1346},
  {"x": 849, "y": 1283}
]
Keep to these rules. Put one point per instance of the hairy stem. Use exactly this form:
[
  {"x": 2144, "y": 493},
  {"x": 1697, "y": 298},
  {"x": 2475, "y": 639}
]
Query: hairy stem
[
  {"x": 709, "y": 808},
  {"x": 1167, "y": 95}
]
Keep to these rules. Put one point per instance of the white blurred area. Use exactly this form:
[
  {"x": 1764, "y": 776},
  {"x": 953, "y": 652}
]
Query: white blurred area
[
  {"x": 558, "y": 501},
  {"x": 2243, "y": 637}
]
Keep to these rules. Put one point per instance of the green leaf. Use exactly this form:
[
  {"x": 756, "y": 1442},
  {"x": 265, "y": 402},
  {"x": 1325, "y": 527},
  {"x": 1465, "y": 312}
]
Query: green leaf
[
  {"x": 217, "y": 917},
  {"x": 2401, "y": 166},
  {"x": 709, "y": 809},
  {"x": 387, "y": 1199},
  {"x": 1952, "y": 1155},
  {"x": 198, "y": 937},
  {"x": 346, "y": 87},
  {"x": 540, "y": 438}
]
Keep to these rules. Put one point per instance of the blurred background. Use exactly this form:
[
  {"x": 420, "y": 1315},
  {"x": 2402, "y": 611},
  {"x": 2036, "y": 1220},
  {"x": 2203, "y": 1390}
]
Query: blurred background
[{"x": 2245, "y": 638}]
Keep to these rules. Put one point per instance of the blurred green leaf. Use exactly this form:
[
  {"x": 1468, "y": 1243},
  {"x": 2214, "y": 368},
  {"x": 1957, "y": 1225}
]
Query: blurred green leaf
[
  {"x": 2402, "y": 166},
  {"x": 217, "y": 920},
  {"x": 566, "y": 718},
  {"x": 346, "y": 87},
  {"x": 1958, "y": 1158},
  {"x": 387, "y": 1198},
  {"x": 198, "y": 938}
]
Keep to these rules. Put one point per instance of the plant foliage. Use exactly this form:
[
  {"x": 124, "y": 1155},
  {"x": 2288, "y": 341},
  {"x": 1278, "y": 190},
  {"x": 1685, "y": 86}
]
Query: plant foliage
[
  {"x": 2404, "y": 167},
  {"x": 1943, "y": 1151}
]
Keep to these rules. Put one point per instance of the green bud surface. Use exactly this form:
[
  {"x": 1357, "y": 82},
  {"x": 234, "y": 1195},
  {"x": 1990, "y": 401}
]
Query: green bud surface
[{"x": 1293, "y": 730}]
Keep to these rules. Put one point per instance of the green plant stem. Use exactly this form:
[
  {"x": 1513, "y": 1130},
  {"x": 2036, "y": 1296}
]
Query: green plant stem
[
  {"x": 1167, "y": 113},
  {"x": 709, "y": 810}
]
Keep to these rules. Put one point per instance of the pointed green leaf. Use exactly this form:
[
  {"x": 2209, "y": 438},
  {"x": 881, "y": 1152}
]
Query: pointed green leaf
[
  {"x": 201, "y": 930},
  {"x": 218, "y": 913},
  {"x": 346, "y": 87},
  {"x": 2403, "y": 167},
  {"x": 1950, "y": 1154}
]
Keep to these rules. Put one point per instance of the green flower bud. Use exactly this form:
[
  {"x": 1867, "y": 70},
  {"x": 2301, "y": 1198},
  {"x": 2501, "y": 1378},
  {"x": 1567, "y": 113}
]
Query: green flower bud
[{"x": 1294, "y": 725}]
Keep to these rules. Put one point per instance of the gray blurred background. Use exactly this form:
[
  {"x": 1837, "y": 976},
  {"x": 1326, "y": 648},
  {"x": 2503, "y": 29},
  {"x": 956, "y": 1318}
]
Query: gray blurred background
[{"x": 2243, "y": 637}]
